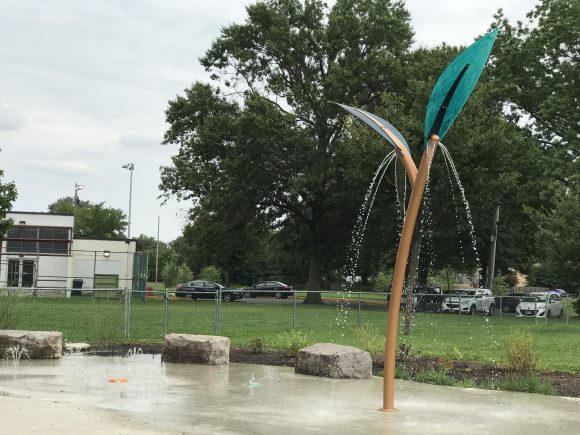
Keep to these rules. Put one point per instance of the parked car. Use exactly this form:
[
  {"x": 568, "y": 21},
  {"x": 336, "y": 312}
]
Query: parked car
[
  {"x": 561, "y": 292},
  {"x": 429, "y": 299},
  {"x": 470, "y": 301},
  {"x": 206, "y": 290},
  {"x": 540, "y": 305},
  {"x": 425, "y": 299},
  {"x": 268, "y": 288},
  {"x": 508, "y": 303}
]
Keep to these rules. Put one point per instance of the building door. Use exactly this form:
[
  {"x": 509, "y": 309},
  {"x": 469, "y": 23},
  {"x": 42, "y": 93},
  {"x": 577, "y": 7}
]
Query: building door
[
  {"x": 13, "y": 272},
  {"x": 20, "y": 273}
]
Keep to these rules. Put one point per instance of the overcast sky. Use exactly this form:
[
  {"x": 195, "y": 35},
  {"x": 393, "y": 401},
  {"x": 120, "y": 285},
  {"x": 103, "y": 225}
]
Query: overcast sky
[{"x": 84, "y": 86}]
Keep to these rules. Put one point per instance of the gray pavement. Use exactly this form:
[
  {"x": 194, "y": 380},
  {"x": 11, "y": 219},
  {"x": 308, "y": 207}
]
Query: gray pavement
[{"x": 138, "y": 395}]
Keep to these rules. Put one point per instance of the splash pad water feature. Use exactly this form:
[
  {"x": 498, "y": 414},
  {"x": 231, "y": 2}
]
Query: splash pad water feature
[
  {"x": 72, "y": 395},
  {"x": 259, "y": 399},
  {"x": 447, "y": 99}
]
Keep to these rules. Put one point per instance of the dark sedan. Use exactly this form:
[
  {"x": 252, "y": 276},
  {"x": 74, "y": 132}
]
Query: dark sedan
[
  {"x": 269, "y": 288},
  {"x": 206, "y": 290}
]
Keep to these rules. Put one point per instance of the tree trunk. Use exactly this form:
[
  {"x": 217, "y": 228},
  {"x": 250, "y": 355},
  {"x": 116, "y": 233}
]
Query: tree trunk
[
  {"x": 411, "y": 278},
  {"x": 315, "y": 260},
  {"x": 227, "y": 277},
  {"x": 313, "y": 284}
]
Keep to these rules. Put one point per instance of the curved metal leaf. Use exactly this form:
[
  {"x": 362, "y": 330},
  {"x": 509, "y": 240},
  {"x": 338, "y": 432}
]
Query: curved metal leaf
[
  {"x": 455, "y": 85},
  {"x": 379, "y": 125}
]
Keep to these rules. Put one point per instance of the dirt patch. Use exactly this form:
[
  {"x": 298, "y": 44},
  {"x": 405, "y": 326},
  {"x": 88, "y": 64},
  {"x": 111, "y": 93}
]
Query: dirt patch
[{"x": 565, "y": 384}]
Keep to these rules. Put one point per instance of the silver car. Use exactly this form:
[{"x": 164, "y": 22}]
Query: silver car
[{"x": 540, "y": 305}]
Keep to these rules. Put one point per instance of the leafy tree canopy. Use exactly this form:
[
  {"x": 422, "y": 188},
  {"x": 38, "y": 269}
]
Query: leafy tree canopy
[
  {"x": 161, "y": 253},
  {"x": 538, "y": 63},
  {"x": 288, "y": 60},
  {"x": 8, "y": 195},
  {"x": 92, "y": 220}
]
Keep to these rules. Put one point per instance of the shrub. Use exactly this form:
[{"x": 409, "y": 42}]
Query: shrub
[
  {"x": 435, "y": 376},
  {"x": 175, "y": 274},
  {"x": 211, "y": 273},
  {"x": 382, "y": 281},
  {"x": 526, "y": 384},
  {"x": 257, "y": 345},
  {"x": 367, "y": 337},
  {"x": 468, "y": 383},
  {"x": 519, "y": 352},
  {"x": 445, "y": 278},
  {"x": 500, "y": 287},
  {"x": 292, "y": 341},
  {"x": 576, "y": 305},
  {"x": 402, "y": 373}
]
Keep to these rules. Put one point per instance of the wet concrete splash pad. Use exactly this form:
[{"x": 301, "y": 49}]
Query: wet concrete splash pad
[{"x": 75, "y": 395}]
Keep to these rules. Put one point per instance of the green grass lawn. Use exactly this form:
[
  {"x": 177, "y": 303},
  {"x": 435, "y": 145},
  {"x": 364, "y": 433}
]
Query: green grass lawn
[{"x": 102, "y": 320}]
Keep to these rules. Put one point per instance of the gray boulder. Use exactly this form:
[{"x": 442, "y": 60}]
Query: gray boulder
[
  {"x": 31, "y": 344},
  {"x": 334, "y": 361},
  {"x": 199, "y": 349}
]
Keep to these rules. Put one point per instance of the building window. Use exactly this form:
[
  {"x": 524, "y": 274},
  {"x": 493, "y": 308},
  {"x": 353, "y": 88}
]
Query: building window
[{"x": 38, "y": 240}]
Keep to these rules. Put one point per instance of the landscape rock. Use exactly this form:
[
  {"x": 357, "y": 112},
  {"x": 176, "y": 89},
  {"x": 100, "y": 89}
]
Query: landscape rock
[
  {"x": 36, "y": 344},
  {"x": 334, "y": 361},
  {"x": 76, "y": 347},
  {"x": 199, "y": 349}
]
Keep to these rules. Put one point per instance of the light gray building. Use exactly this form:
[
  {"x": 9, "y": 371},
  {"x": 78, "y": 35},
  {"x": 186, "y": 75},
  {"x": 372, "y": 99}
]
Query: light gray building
[{"x": 40, "y": 250}]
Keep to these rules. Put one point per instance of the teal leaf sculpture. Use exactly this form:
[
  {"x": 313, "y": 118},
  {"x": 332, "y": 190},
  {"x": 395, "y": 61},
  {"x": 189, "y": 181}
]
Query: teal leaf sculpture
[{"x": 455, "y": 85}]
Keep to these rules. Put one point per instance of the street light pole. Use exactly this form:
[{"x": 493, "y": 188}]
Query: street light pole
[
  {"x": 130, "y": 167},
  {"x": 75, "y": 200}
]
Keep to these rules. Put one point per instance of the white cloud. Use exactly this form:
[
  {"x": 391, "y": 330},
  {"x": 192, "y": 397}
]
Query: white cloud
[
  {"x": 94, "y": 79},
  {"x": 61, "y": 167},
  {"x": 10, "y": 118},
  {"x": 140, "y": 140}
]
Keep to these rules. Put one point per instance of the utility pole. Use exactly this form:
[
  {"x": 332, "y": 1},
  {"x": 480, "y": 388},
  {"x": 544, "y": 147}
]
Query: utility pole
[
  {"x": 157, "y": 253},
  {"x": 492, "y": 248}
]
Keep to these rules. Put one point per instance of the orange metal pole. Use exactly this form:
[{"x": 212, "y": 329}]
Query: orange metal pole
[{"x": 399, "y": 275}]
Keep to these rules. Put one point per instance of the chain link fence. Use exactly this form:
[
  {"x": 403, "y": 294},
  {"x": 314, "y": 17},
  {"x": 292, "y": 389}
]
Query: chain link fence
[{"x": 120, "y": 315}]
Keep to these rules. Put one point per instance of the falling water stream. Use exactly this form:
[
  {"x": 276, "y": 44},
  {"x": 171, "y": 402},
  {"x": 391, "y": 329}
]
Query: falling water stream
[
  {"x": 349, "y": 273},
  {"x": 465, "y": 202}
]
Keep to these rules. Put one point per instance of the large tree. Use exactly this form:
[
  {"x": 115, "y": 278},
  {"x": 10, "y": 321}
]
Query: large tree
[
  {"x": 537, "y": 72},
  {"x": 561, "y": 232},
  {"x": 289, "y": 60},
  {"x": 92, "y": 220},
  {"x": 7, "y": 197},
  {"x": 159, "y": 254},
  {"x": 538, "y": 64}
]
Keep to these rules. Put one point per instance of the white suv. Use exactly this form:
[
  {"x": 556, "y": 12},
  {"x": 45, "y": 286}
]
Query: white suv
[{"x": 470, "y": 301}]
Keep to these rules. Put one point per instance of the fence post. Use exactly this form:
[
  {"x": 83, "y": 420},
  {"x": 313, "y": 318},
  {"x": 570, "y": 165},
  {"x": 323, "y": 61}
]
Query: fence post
[
  {"x": 217, "y": 327},
  {"x": 294, "y": 312},
  {"x": 536, "y": 309},
  {"x": 127, "y": 311},
  {"x": 358, "y": 314},
  {"x": 166, "y": 313},
  {"x": 547, "y": 308}
]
